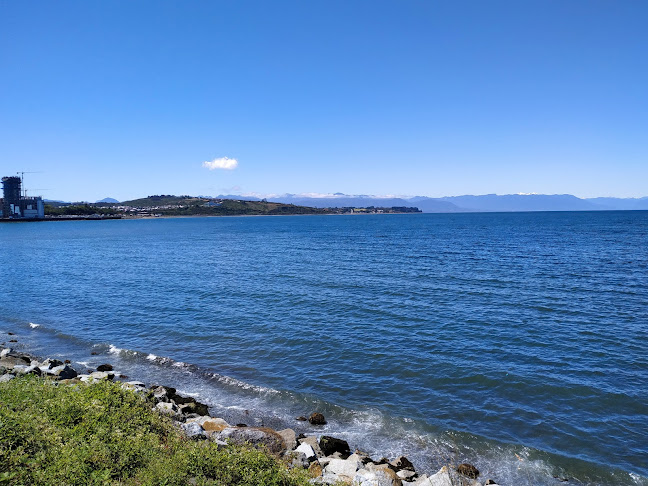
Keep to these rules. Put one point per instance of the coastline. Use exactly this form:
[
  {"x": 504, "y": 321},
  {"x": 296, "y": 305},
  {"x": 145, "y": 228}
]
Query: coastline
[
  {"x": 326, "y": 459},
  {"x": 246, "y": 411}
]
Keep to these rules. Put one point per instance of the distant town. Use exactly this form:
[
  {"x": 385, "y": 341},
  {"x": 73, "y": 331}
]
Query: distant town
[{"x": 16, "y": 206}]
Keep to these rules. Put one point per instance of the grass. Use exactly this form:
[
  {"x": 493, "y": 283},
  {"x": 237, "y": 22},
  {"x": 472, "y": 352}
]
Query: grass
[{"x": 101, "y": 434}]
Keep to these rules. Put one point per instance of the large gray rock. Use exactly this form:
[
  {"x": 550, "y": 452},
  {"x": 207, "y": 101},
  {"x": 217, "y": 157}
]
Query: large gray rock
[
  {"x": 376, "y": 477},
  {"x": 296, "y": 459},
  {"x": 193, "y": 430},
  {"x": 166, "y": 408},
  {"x": 307, "y": 450},
  {"x": 343, "y": 469},
  {"x": 25, "y": 370},
  {"x": 258, "y": 437},
  {"x": 6, "y": 378},
  {"x": 312, "y": 441},
  {"x": 289, "y": 437},
  {"x": 441, "y": 478}
]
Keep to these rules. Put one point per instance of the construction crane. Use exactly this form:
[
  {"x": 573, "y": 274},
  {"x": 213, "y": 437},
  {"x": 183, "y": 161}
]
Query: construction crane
[{"x": 22, "y": 180}]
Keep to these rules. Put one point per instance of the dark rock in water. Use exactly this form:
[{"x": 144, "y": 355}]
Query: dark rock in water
[
  {"x": 94, "y": 353},
  {"x": 331, "y": 445},
  {"x": 317, "y": 418},
  {"x": 241, "y": 425},
  {"x": 180, "y": 400},
  {"x": 194, "y": 407},
  {"x": 468, "y": 470},
  {"x": 490, "y": 481},
  {"x": 11, "y": 333},
  {"x": 67, "y": 361},
  {"x": 256, "y": 437},
  {"x": 13, "y": 340},
  {"x": 194, "y": 430},
  {"x": 123, "y": 377},
  {"x": 104, "y": 367},
  {"x": 301, "y": 418},
  {"x": 402, "y": 463}
]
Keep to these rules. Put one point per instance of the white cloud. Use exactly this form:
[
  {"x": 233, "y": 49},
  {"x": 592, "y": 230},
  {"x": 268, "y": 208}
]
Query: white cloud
[{"x": 221, "y": 163}]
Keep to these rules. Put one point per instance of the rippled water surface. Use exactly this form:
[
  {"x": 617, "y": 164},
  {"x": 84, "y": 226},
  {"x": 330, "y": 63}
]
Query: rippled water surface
[{"x": 516, "y": 341}]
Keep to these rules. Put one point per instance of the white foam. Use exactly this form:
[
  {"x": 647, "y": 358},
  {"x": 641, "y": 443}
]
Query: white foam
[
  {"x": 33, "y": 325},
  {"x": 84, "y": 363},
  {"x": 151, "y": 357},
  {"x": 114, "y": 349}
]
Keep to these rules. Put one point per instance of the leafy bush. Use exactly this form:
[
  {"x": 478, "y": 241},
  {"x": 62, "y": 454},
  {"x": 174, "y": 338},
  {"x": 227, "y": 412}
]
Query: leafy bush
[{"x": 101, "y": 434}]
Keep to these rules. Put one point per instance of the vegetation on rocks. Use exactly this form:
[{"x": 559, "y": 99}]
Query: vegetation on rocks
[{"x": 53, "y": 433}]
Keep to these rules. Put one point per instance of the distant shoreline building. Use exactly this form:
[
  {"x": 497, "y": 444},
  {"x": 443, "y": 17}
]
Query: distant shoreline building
[{"x": 14, "y": 206}]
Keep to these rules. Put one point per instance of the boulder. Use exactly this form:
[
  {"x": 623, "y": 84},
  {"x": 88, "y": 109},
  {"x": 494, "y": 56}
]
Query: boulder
[
  {"x": 401, "y": 463},
  {"x": 166, "y": 408},
  {"x": 5, "y": 352},
  {"x": 312, "y": 441},
  {"x": 62, "y": 372},
  {"x": 315, "y": 470},
  {"x": 289, "y": 437},
  {"x": 193, "y": 407},
  {"x": 491, "y": 482},
  {"x": 50, "y": 363},
  {"x": 26, "y": 370},
  {"x": 330, "y": 445},
  {"x": 136, "y": 384},
  {"x": 193, "y": 430},
  {"x": 468, "y": 470},
  {"x": 257, "y": 437},
  {"x": 342, "y": 469},
  {"x": 100, "y": 375},
  {"x": 301, "y": 418},
  {"x": 406, "y": 475},
  {"x": 213, "y": 424},
  {"x": 307, "y": 450},
  {"x": 159, "y": 394},
  {"x": 296, "y": 459},
  {"x": 441, "y": 478},
  {"x": 317, "y": 418},
  {"x": 6, "y": 378},
  {"x": 376, "y": 477},
  {"x": 104, "y": 367}
]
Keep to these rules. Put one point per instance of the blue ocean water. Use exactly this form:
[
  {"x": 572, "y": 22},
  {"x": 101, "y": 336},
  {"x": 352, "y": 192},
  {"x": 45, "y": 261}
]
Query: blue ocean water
[{"x": 514, "y": 341}]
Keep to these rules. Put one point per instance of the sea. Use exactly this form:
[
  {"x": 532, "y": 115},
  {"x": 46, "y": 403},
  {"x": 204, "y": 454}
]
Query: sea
[{"x": 517, "y": 342}]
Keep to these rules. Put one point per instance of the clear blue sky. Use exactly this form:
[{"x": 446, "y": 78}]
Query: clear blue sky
[{"x": 129, "y": 98}]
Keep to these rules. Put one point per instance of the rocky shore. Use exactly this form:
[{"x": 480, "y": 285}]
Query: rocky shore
[{"x": 328, "y": 460}]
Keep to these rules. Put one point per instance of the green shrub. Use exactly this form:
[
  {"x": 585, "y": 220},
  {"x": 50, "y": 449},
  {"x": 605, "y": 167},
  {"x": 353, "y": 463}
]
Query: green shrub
[{"x": 101, "y": 434}]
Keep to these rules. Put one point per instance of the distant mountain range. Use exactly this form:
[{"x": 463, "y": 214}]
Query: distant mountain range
[{"x": 454, "y": 204}]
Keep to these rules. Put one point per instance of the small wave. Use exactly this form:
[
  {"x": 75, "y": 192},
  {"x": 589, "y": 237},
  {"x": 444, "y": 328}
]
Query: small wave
[
  {"x": 33, "y": 325},
  {"x": 227, "y": 380},
  {"x": 114, "y": 349},
  {"x": 83, "y": 363}
]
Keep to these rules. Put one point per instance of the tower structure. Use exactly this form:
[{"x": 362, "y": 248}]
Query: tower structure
[{"x": 11, "y": 207}]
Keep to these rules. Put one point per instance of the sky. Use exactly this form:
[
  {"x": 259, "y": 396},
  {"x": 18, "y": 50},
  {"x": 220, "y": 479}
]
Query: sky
[{"x": 126, "y": 99}]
